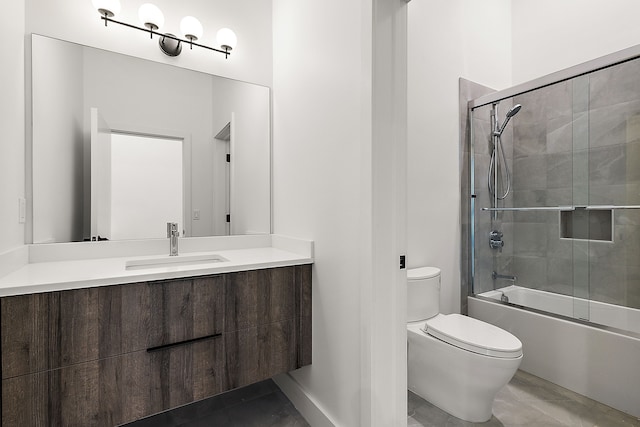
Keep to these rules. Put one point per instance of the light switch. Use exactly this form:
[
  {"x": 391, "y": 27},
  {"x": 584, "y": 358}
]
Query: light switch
[{"x": 196, "y": 214}]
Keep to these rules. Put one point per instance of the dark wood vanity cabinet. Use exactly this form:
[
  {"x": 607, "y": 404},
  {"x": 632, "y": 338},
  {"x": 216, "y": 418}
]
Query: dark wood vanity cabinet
[{"x": 109, "y": 355}]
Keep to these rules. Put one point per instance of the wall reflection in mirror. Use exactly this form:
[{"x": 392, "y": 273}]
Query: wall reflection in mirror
[{"x": 91, "y": 175}]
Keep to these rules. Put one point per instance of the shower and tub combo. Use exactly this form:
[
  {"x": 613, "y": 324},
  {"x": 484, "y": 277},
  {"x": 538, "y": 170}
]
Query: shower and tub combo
[{"x": 553, "y": 201}]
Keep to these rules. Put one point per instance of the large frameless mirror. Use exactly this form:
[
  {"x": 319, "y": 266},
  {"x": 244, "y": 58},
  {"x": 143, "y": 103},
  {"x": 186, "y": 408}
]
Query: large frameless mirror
[{"x": 122, "y": 145}]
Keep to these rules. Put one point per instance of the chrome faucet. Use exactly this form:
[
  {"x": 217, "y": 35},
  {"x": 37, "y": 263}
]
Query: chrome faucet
[
  {"x": 172, "y": 234},
  {"x": 495, "y": 275}
]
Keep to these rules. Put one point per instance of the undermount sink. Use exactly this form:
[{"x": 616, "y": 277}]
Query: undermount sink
[{"x": 173, "y": 261}]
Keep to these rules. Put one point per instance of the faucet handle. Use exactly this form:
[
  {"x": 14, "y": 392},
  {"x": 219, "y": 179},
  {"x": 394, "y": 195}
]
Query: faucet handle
[{"x": 172, "y": 229}]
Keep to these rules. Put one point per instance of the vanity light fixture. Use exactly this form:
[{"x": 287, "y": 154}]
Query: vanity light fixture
[
  {"x": 226, "y": 39},
  {"x": 152, "y": 19}
]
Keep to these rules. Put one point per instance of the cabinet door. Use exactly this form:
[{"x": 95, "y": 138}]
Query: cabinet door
[
  {"x": 268, "y": 323},
  {"x": 259, "y": 297},
  {"x": 257, "y": 353}
]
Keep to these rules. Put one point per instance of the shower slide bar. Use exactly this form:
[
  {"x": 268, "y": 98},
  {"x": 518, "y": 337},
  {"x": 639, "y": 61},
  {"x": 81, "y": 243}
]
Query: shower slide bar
[
  {"x": 563, "y": 208},
  {"x": 534, "y": 208},
  {"x": 610, "y": 207}
]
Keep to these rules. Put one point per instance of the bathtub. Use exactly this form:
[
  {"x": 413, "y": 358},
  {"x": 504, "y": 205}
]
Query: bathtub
[
  {"x": 613, "y": 316},
  {"x": 600, "y": 362}
]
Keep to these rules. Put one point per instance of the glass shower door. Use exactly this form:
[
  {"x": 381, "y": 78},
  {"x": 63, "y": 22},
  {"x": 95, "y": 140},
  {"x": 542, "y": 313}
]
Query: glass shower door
[{"x": 580, "y": 217}]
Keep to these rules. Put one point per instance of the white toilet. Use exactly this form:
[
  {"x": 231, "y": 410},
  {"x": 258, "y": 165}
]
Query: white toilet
[{"x": 459, "y": 364}]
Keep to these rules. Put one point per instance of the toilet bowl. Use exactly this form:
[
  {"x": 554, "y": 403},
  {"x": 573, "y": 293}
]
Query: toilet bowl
[{"x": 455, "y": 362}]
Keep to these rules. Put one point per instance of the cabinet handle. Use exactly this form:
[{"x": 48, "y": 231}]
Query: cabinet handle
[{"x": 165, "y": 346}]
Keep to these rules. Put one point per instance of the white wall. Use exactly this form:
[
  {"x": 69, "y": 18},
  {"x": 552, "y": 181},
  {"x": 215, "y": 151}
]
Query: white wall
[
  {"x": 12, "y": 173},
  {"x": 550, "y": 35},
  {"x": 331, "y": 142},
  {"x": 318, "y": 128},
  {"x": 447, "y": 40}
]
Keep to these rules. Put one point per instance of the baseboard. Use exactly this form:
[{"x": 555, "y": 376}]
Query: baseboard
[{"x": 304, "y": 403}]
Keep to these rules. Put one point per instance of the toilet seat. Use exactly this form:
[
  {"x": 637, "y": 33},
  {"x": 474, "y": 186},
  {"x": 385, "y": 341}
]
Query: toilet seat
[{"x": 474, "y": 335}]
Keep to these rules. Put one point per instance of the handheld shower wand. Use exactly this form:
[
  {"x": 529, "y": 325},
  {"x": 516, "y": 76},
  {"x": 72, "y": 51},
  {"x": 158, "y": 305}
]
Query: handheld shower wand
[
  {"x": 498, "y": 166},
  {"x": 512, "y": 112}
]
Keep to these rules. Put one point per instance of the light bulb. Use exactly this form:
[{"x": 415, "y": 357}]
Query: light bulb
[
  {"x": 226, "y": 39},
  {"x": 191, "y": 28},
  {"x": 151, "y": 16},
  {"x": 107, "y": 7}
]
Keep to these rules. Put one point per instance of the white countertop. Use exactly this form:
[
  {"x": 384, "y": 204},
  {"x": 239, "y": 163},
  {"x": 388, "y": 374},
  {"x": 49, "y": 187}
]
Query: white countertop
[{"x": 47, "y": 272}]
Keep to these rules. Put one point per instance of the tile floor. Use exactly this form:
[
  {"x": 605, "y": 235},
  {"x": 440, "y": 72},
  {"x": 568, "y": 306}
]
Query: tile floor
[
  {"x": 528, "y": 401},
  {"x": 258, "y": 405}
]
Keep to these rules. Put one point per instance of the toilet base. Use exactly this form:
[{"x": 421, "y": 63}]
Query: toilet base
[{"x": 460, "y": 382}]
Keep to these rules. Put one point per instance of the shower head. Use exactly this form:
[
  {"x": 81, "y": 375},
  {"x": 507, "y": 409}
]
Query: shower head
[{"x": 512, "y": 112}]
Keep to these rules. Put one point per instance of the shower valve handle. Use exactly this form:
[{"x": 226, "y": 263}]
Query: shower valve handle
[
  {"x": 495, "y": 235},
  {"x": 495, "y": 240},
  {"x": 496, "y": 244}
]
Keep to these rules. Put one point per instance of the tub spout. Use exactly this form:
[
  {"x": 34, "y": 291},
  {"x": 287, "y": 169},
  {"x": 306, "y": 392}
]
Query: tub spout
[{"x": 495, "y": 276}]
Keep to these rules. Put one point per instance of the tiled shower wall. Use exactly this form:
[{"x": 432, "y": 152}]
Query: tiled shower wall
[{"x": 574, "y": 143}]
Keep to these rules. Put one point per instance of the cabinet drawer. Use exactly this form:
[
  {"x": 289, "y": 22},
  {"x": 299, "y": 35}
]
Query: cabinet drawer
[
  {"x": 182, "y": 310},
  {"x": 49, "y": 330},
  {"x": 56, "y": 329},
  {"x": 115, "y": 390}
]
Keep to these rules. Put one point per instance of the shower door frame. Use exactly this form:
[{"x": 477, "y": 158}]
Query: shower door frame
[
  {"x": 584, "y": 68},
  {"x": 606, "y": 61}
]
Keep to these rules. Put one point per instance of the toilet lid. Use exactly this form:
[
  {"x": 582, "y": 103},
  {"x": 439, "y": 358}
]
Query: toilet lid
[
  {"x": 422, "y": 273},
  {"x": 474, "y": 335}
]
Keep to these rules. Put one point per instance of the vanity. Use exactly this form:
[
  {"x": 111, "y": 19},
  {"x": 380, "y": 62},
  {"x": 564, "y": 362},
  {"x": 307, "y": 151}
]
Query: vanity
[
  {"x": 99, "y": 326},
  {"x": 88, "y": 340}
]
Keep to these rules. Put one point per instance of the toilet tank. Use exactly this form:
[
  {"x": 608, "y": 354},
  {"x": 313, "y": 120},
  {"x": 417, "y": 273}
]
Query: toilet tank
[{"x": 423, "y": 293}]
